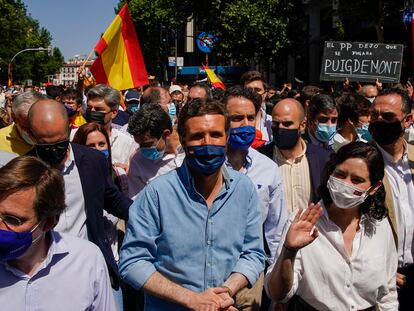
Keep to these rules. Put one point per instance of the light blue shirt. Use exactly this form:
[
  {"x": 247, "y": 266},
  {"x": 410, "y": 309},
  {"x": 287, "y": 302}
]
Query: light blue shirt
[
  {"x": 73, "y": 276},
  {"x": 171, "y": 230},
  {"x": 266, "y": 176}
]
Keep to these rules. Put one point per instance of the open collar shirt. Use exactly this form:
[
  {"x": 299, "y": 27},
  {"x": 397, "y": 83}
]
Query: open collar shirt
[
  {"x": 266, "y": 176},
  {"x": 171, "y": 230},
  {"x": 399, "y": 176},
  {"x": 327, "y": 278},
  {"x": 73, "y": 276}
]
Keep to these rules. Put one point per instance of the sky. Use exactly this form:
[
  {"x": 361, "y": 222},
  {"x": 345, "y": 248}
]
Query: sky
[{"x": 75, "y": 25}]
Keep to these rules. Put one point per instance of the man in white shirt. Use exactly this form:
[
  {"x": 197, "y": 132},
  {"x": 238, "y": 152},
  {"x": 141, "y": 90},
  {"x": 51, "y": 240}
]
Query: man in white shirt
[
  {"x": 103, "y": 105},
  {"x": 159, "y": 152},
  {"x": 255, "y": 81},
  {"x": 390, "y": 116},
  {"x": 37, "y": 262}
]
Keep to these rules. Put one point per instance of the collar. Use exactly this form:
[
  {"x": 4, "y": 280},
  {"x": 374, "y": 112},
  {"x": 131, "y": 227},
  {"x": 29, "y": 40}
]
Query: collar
[
  {"x": 280, "y": 157},
  {"x": 70, "y": 161},
  {"x": 388, "y": 157},
  {"x": 189, "y": 179},
  {"x": 57, "y": 248}
]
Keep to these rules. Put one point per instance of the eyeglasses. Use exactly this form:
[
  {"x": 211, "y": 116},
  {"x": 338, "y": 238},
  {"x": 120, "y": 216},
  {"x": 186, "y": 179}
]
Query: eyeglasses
[{"x": 10, "y": 221}]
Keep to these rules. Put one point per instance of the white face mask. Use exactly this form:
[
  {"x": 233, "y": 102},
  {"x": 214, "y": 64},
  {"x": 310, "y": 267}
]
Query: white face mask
[{"x": 345, "y": 195}]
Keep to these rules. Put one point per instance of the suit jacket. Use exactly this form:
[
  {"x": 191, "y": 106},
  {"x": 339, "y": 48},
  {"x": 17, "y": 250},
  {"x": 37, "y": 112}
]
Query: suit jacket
[
  {"x": 100, "y": 194},
  {"x": 317, "y": 158}
]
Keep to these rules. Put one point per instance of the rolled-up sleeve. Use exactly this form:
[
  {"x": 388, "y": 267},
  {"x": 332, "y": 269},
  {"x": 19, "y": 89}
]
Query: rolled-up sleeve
[
  {"x": 139, "y": 247},
  {"x": 252, "y": 258}
]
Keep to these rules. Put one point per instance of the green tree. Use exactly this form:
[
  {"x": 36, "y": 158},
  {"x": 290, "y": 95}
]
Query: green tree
[
  {"x": 18, "y": 32},
  {"x": 247, "y": 30}
]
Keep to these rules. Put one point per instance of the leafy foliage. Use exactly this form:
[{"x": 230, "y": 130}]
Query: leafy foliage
[
  {"x": 246, "y": 29},
  {"x": 18, "y": 32}
]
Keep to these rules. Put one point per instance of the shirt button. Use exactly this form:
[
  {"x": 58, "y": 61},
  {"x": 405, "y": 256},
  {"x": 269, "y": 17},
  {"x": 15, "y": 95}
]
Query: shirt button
[
  {"x": 208, "y": 242},
  {"x": 347, "y": 285}
]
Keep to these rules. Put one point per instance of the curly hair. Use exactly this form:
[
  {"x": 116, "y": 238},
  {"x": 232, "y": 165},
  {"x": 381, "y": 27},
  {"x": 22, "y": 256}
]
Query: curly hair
[
  {"x": 374, "y": 205},
  {"x": 239, "y": 91}
]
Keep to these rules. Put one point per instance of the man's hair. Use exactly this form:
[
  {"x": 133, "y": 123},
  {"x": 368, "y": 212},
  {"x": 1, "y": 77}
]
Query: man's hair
[
  {"x": 111, "y": 96},
  {"x": 199, "y": 107},
  {"x": 54, "y": 91},
  {"x": 350, "y": 106},
  {"x": 26, "y": 172},
  {"x": 320, "y": 103},
  {"x": 239, "y": 91},
  {"x": 150, "y": 118},
  {"x": 251, "y": 76},
  {"x": 205, "y": 87},
  {"x": 152, "y": 95},
  {"x": 406, "y": 102},
  {"x": 22, "y": 102},
  {"x": 72, "y": 94}
]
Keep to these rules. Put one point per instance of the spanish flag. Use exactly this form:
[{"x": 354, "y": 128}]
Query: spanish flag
[
  {"x": 214, "y": 80},
  {"x": 120, "y": 63}
]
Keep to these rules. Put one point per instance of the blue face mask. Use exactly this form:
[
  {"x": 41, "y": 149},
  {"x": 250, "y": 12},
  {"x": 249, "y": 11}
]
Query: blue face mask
[
  {"x": 105, "y": 152},
  {"x": 242, "y": 137},
  {"x": 205, "y": 159},
  {"x": 364, "y": 133},
  {"x": 151, "y": 153},
  {"x": 325, "y": 132},
  {"x": 14, "y": 244}
]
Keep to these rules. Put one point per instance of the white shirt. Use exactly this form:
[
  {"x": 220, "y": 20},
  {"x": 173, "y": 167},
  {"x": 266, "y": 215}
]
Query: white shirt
[
  {"x": 265, "y": 125},
  {"x": 123, "y": 146},
  {"x": 399, "y": 176},
  {"x": 328, "y": 279},
  {"x": 142, "y": 170},
  {"x": 73, "y": 276},
  {"x": 73, "y": 218},
  {"x": 267, "y": 178}
]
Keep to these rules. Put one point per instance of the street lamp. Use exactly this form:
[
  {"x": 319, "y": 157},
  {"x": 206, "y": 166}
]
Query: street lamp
[{"x": 49, "y": 50}]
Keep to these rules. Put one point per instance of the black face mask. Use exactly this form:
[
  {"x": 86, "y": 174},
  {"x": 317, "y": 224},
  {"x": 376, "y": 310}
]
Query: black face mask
[
  {"x": 52, "y": 153},
  {"x": 95, "y": 116},
  {"x": 285, "y": 138},
  {"x": 385, "y": 133}
]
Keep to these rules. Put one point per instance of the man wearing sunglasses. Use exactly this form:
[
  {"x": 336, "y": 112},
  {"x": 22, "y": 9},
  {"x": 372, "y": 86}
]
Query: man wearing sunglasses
[
  {"x": 89, "y": 188},
  {"x": 37, "y": 262}
]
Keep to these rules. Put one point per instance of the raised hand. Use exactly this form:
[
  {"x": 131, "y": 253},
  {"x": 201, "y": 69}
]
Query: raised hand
[
  {"x": 410, "y": 88},
  {"x": 302, "y": 231}
]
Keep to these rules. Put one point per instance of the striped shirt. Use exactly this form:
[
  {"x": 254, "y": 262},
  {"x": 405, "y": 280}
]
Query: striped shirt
[{"x": 296, "y": 179}]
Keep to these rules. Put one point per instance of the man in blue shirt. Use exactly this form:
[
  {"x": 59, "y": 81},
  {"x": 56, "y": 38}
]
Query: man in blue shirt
[
  {"x": 194, "y": 235},
  {"x": 242, "y": 106}
]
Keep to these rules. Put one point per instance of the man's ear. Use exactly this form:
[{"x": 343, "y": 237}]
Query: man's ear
[
  {"x": 166, "y": 133},
  {"x": 114, "y": 113},
  {"x": 302, "y": 125},
  {"x": 50, "y": 223},
  {"x": 408, "y": 120}
]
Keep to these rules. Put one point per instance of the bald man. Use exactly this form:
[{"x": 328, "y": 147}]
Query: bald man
[
  {"x": 89, "y": 188},
  {"x": 301, "y": 163}
]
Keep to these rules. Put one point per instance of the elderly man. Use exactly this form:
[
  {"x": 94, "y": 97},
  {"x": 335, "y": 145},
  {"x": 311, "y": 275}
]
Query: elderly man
[
  {"x": 103, "y": 105},
  {"x": 15, "y": 138},
  {"x": 36, "y": 261},
  {"x": 206, "y": 248},
  {"x": 89, "y": 187},
  {"x": 199, "y": 90}
]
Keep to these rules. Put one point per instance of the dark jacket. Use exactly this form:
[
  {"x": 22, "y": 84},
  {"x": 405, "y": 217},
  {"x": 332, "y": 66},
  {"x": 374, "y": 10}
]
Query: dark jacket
[
  {"x": 317, "y": 158},
  {"x": 100, "y": 194}
]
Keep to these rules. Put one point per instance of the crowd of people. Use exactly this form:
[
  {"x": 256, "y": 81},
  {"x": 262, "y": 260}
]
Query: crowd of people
[{"x": 195, "y": 198}]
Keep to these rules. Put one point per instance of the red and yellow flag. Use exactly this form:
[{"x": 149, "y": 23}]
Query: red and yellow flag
[
  {"x": 120, "y": 63},
  {"x": 214, "y": 80}
]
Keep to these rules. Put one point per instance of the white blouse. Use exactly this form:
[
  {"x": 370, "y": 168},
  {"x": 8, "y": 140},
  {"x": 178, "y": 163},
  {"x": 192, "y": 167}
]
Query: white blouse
[{"x": 328, "y": 279}]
